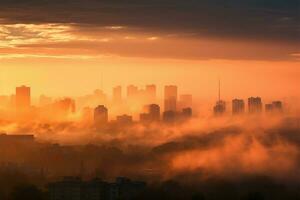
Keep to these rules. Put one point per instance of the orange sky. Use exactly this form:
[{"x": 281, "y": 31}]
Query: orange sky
[
  {"x": 73, "y": 77},
  {"x": 68, "y": 60}
]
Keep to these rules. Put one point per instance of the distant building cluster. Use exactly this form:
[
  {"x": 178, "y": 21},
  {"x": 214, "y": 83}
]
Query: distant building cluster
[
  {"x": 175, "y": 110},
  {"x": 73, "y": 188},
  {"x": 143, "y": 103},
  {"x": 255, "y": 106}
]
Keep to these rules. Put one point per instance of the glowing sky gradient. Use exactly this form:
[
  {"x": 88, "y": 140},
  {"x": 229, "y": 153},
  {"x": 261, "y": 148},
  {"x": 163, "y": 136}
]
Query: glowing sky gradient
[{"x": 252, "y": 46}]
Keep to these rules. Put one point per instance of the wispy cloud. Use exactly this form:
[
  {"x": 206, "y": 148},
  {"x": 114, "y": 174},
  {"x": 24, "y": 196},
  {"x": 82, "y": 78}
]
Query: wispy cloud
[{"x": 76, "y": 57}]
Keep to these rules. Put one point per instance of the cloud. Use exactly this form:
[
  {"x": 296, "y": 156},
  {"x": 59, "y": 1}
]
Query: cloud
[
  {"x": 259, "y": 22},
  {"x": 221, "y": 18}
]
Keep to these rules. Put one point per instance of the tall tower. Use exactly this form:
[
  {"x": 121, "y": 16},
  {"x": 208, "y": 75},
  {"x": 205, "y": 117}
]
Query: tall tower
[
  {"x": 132, "y": 92},
  {"x": 101, "y": 115},
  {"x": 220, "y": 107},
  {"x": 171, "y": 98},
  {"x": 254, "y": 105},
  {"x": 23, "y": 98},
  {"x": 238, "y": 106},
  {"x": 219, "y": 90}
]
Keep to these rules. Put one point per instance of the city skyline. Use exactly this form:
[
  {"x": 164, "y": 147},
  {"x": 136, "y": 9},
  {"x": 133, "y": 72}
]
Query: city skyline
[
  {"x": 51, "y": 80},
  {"x": 142, "y": 103},
  {"x": 149, "y": 100}
]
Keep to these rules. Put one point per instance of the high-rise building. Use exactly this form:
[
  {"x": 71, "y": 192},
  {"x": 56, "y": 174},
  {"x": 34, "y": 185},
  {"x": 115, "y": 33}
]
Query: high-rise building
[
  {"x": 169, "y": 116},
  {"x": 154, "y": 112},
  {"x": 144, "y": 117},
  {"x": 124, "y": 120},
  {"x": 117, "y": 94},
  {"x": 101, "y": 115},
  {"x": 66, "y": 105},
  {"x": 151, "y": 114},
  {"x": 254, "y": 105},
  {"x": 151, "y": 93},
  {"x": 132, "y": 92},
  {"x": 274, "y": 107},
  {"x": 220, "y": 107},
  {"x": 269, "y": 108},
  {"x": 170, "y": 98},
  {"x": 238, "y": 106},
  {"x": 23, "y": 99},
  {"x": 277, "y": 106}
]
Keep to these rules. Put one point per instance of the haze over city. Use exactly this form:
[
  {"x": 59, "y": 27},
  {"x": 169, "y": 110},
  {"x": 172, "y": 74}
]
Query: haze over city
[{"x": 149, "y": 99}]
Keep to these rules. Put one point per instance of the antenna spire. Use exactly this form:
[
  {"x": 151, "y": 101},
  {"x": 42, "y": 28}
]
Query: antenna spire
[{"x": 219, "y": 90}]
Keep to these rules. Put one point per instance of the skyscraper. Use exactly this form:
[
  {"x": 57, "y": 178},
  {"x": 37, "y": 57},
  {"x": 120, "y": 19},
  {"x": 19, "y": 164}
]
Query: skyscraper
[
  {"x": 274, "y": 107},
  {"x": 269, "y": 108},
  {"x": 23, "y": 98},
  {"x": 238, "y": 106},
  {"x": 254, "y": 105},
  {"x": 170, "y": 98},
  {"x": 101, "y": 115},
  {"x": 132, "y": 92},
  {"x": 117, "y": 94},
  {"x": 277, "y": 105},
  {"x": 220, "y": 107},
  {"x": 154, "y": 112},
  {"x": 169, "y": 116},
  {"x": 124, "y": 120},
  {"x": 64, "y": 107}
]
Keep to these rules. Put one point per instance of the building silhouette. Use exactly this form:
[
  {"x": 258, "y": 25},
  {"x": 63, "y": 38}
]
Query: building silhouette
[
  {"x": 169, "y": 116},
  {"x": 117, "y": 94},
  {"x": 269, "y": 108},
  {"x": 220, "y": 107},
  {"x": 277, "y": 106},
  {"x": 254, "y": 105},
  {"x": 23, "y": 98},
  {"x": 124, "y": 120},
  {"x": 74, "y": 188},
  {"x": 152, "y": 114},
  {"x": 238, "y": 106},
  {"x": 170, "y": 98},
  {"x": 68, "y": 189},
  {"x": 132, "y": 92},
  {"x": 16, "y": 139},
  {"x": 64, "y": 107},
  {"x": 100, "y": 115},
  {"x": 274, "y": 107},
  {"x": 144, "y": 118}
]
